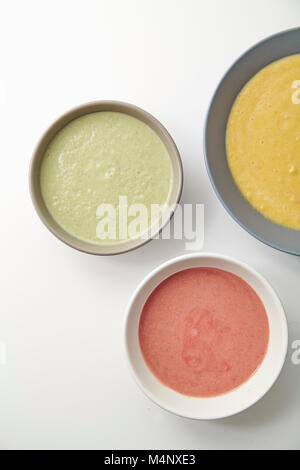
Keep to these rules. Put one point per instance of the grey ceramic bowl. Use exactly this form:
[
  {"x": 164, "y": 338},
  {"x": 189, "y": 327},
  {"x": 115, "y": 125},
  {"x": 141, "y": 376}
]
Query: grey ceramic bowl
[
  {"x": 271, "y": 49},
  {"x": 35, "y": 187}
]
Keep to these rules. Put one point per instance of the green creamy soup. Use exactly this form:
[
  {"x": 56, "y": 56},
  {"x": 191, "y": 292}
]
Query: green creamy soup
[{"x": 94, "y": 160}]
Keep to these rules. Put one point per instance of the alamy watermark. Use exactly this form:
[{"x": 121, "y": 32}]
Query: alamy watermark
[
  {"x": 124, "y": 222},
  {"x": 295, "y": 358}
]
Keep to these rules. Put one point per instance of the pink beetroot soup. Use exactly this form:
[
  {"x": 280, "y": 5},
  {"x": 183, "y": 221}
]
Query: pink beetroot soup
[{"x": 203, "y": 332}]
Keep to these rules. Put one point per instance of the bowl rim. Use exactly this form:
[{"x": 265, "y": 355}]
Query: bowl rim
[
  {"x": 207, "y": 163},
  {"x": 82, "y": 109},
  {"x": 218, "y": 257}
]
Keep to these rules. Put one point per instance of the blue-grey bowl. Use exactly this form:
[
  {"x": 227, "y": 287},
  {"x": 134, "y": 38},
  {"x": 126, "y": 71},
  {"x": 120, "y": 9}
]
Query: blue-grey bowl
[{"x": 271, "y": 49}]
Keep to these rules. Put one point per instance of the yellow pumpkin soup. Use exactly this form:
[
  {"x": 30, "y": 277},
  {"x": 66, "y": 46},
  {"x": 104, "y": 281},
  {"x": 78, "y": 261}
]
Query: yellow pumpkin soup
[{"x": 263, "y": 141}]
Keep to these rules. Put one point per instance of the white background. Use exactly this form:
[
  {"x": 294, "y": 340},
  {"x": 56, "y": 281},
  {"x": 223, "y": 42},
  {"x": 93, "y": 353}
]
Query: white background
[{"x": 66, "y": 383}]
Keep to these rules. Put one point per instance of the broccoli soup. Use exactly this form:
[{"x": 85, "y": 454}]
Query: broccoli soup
[{"x": 94, "y": 161}]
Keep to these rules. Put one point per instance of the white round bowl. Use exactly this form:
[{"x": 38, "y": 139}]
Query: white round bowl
[{"x": 240, "y": 398}]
